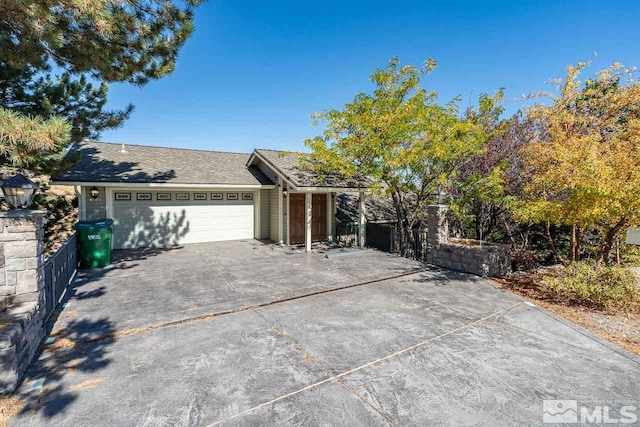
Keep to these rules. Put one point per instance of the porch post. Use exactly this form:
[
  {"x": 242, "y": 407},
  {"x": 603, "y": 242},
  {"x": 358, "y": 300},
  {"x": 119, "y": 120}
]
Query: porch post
[
  {"x": 362, "y": 220},
  {"x": 280, "y": 212},
  {"x": 330, "y": 217},
  {"x": 286, "y": 215},
  {"x": 308, "y": 210}
]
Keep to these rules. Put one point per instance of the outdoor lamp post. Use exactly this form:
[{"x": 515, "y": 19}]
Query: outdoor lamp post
[{"x": 19, "y": 191}]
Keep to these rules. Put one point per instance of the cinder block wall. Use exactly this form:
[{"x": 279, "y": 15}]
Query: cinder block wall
[
  {"x": 21, "y": 288},
  {"x": 475, "y": 257}
]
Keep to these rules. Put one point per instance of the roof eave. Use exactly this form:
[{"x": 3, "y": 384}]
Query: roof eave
[
  {"x": 161, "y": 184},
  {"x": 332, "y": 189},
  {"x": 251, "y": 158},
  {"x": 273, "y": 167}
]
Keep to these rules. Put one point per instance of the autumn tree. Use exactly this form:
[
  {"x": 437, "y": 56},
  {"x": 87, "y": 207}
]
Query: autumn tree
[
  {"x": 485, "y": 184},
  {"x": 584, "y": 171},
  {"x": 57, "y": 57},
  {"x": 399, "y": 138}
]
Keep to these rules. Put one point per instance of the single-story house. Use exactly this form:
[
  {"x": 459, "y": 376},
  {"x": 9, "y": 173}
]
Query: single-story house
[{"x": 160, "y": 196}]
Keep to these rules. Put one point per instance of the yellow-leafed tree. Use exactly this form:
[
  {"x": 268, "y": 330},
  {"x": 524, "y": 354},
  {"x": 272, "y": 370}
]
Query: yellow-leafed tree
[{"x": 583, "y": 169}]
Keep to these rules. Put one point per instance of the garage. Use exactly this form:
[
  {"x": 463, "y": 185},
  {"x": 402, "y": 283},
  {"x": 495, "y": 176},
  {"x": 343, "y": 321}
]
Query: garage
[
  {"x": 165, "y": 218},
  {"x": 164, "y": 196}
]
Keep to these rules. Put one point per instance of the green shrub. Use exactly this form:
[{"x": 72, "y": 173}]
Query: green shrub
[
  {"x": 607, "y": 288},
  {"x": 630, "y": 254}
]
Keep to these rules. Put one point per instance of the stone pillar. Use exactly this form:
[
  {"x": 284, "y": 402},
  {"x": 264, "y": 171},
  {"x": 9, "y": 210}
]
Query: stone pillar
[
  {"x": 437, "y": 225},
  {"x": 22, "y": 293},
  {"x": 21, "y": 259}
]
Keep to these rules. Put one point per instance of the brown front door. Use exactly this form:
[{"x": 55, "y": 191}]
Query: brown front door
[
  {"x": 296, "y": 218},
  {"x": 319, "y": 217}
]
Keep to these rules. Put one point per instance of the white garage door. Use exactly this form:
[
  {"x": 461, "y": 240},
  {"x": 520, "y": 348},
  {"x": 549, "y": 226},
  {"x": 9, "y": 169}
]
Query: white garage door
[{"x": 165, "y": 218}]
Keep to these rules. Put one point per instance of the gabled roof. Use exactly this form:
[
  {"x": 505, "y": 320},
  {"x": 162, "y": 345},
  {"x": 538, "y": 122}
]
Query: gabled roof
[
  {"x": 287, "y": 164},
  {"x": 104, "y": 162}
]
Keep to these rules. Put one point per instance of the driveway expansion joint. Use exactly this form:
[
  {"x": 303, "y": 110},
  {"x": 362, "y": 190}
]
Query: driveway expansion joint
[
  {"x": 208, "y": 316},
  {"x": 337, "y": 377},
  {"x": 324, "y": 367}
]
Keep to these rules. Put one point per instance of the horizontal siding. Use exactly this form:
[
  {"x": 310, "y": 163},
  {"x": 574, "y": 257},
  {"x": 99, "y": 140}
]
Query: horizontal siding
[
  {"x": 273, "y": 223},
  {"x": 264, "y": 213},
  {"x": 95, "y": 208}
]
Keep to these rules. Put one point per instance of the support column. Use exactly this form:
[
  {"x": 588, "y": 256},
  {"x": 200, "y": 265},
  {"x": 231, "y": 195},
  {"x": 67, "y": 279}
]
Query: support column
[
  {"x": 330, "y": 217},
  {"x": 362, "y": 220},
  {"x": 308, "y": 208},
  {"x": 280, "y": 213},
  {"x": 287, "y": 212}
]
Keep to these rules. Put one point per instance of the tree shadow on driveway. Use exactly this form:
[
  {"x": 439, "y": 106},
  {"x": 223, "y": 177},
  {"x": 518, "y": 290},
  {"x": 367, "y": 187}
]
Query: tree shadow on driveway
[
  {"x": 75, "y": 348},
  {"x": 46, "y": 388}
]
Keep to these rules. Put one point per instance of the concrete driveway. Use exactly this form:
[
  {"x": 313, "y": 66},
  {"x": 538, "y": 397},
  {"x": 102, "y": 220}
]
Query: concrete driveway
[{"x": 244, "y": 333}]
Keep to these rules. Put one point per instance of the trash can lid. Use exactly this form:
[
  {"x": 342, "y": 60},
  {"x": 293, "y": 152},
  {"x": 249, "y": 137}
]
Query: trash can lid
[{"x": 101, "y": 223}]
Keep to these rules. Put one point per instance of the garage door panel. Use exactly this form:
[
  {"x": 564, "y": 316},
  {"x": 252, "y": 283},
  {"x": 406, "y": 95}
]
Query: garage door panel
[{"x": 163, "y": 223}]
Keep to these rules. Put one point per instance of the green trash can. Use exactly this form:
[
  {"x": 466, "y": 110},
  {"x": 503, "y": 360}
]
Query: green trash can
[{"x": 94, "y": 242}]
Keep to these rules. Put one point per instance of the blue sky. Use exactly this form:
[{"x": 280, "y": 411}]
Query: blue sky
[{"x": 254, "y": 71}]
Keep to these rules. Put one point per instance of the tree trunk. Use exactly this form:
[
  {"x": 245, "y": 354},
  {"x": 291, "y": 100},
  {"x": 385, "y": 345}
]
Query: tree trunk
[
  {"x": 578, "y": 243},
  {"x": 572, "y": 244},
  {"x": 478, "y": 215},
  {"x": 607, "y": 245},
  {"x": 399, "y": 236},
  {"x": 552, "y": 244},
  {"x": 411, "y": 240}
]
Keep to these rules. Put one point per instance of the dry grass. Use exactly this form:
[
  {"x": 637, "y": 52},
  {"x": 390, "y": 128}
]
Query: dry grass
[
  {"x": 62, "y": 190},
  {"x": 619, "y": 328},
  {"x": 9, "y": 408}
]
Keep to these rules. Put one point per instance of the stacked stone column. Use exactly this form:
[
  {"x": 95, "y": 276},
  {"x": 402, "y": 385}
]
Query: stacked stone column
[{"x": 22, "y": 303}]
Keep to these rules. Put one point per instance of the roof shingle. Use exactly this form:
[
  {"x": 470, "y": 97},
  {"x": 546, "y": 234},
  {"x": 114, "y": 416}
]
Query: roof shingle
[
  {"x": 107, "y": 162},
  {"x": 287, "y": 163}
]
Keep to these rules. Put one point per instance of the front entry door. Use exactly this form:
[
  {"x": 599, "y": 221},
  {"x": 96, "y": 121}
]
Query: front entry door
[
  {"x": 319, "y": 217},
  {"x": 296, "y": 218}
]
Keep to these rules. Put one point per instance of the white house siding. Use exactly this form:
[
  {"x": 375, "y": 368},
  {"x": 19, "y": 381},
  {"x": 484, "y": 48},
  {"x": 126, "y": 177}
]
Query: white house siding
[
  {"x": 94, "y": 208},
  {"x": 265, "y": 214}
]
